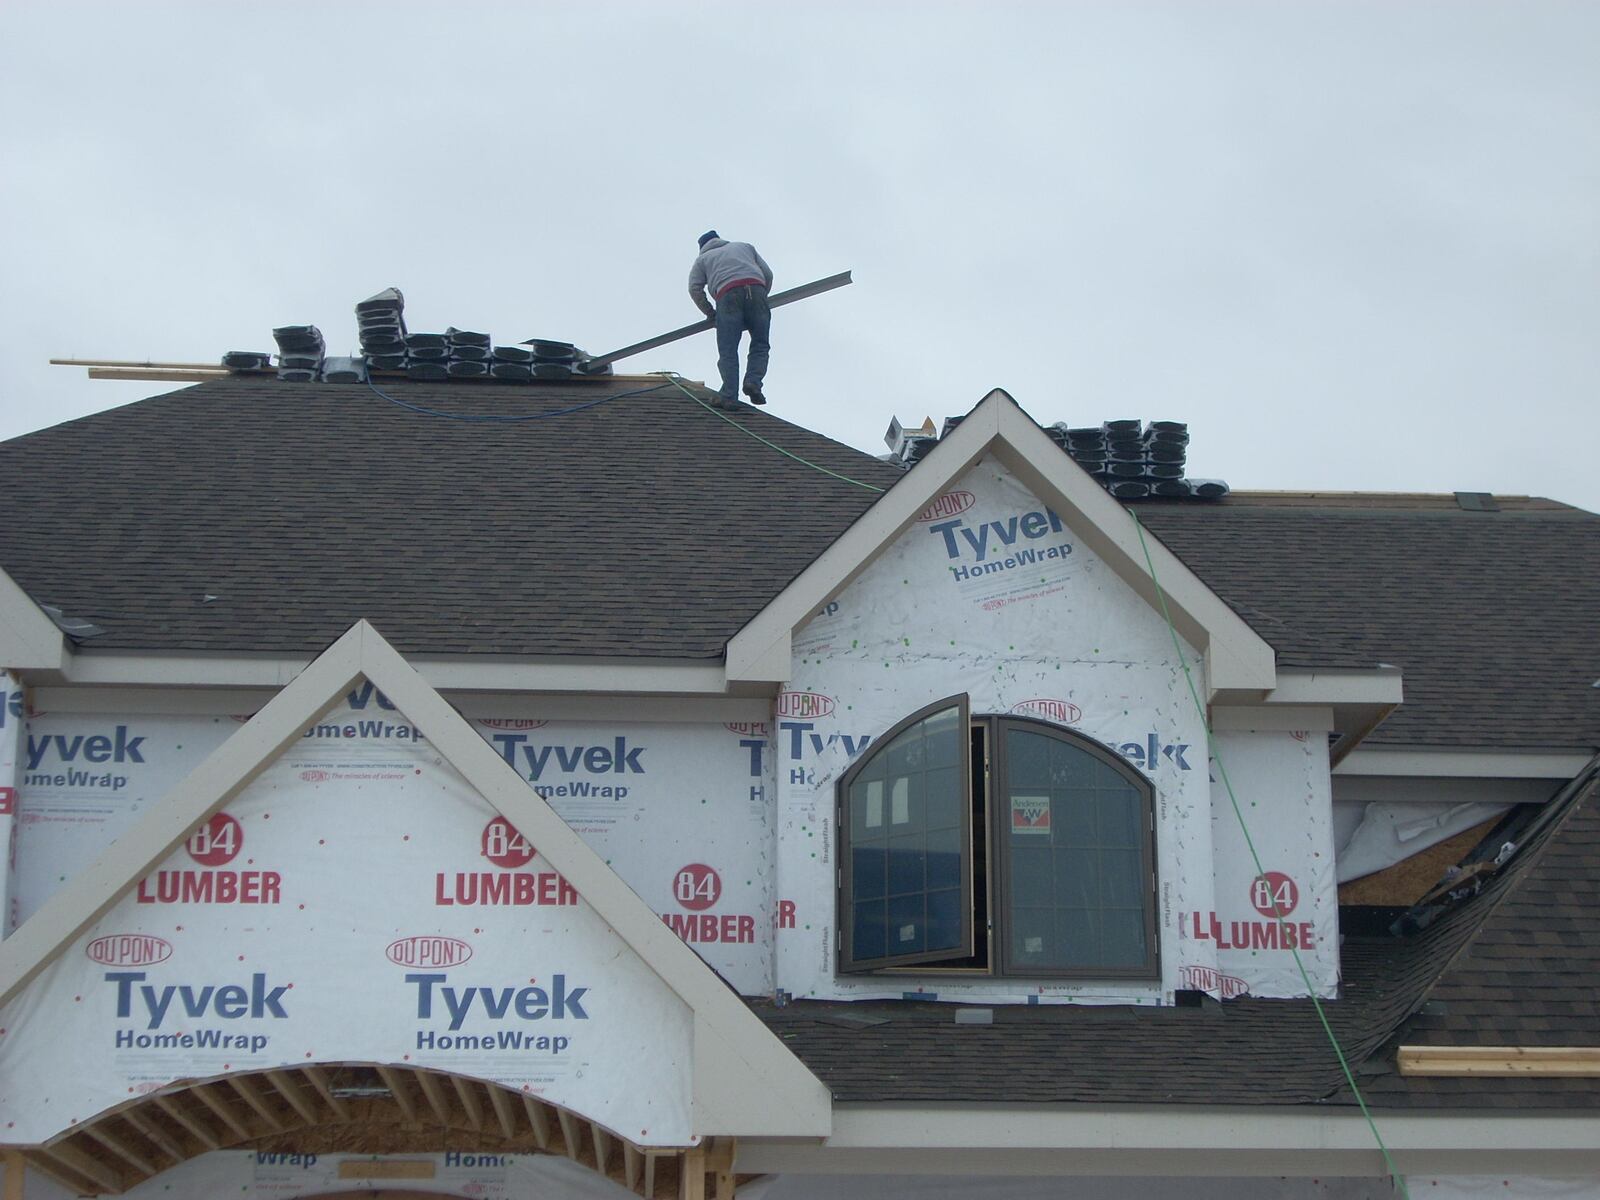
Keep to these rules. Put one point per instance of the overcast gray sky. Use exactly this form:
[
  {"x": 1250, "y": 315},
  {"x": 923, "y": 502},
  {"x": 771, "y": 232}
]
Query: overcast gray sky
[{"x": 1354, "y": 245}]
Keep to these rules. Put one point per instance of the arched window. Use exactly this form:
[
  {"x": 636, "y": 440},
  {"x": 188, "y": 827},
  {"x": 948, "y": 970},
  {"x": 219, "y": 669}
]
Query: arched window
[{"x": 997, "y": 844}]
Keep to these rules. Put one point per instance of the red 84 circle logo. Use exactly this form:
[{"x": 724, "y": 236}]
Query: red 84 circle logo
[
  {"x": 696, "y": 887},
  {"x": 504, "y": 846},
  {"x": 216, "y": 842}
]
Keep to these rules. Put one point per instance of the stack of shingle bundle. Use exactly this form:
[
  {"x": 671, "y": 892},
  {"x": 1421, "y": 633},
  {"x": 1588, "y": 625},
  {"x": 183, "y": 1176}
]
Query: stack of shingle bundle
[
  {"x": 300, "y": 352},
  {"x": 1166, "y": 445},
  {"x": 470, "y": 353},
  {"x": 514, "y": 363},
  {"x": 382, "y": 323},
  {"x": 427, "y": 356},
  {"x": 553, "y": 360}
]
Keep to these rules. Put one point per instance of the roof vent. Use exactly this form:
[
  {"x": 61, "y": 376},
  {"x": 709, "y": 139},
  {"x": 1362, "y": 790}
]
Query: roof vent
[{"x": 1477, "y": 501}]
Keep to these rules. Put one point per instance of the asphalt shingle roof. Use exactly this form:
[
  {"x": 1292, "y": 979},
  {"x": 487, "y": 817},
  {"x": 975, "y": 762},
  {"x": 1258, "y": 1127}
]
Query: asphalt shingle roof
[
  {"x": 644, "y": 526},
  {"x": 1491, "y": 616}
]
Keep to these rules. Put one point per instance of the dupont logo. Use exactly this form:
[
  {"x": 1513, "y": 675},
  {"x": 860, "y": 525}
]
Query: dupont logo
[
  {"x": 1062, "y": 712},
  {"x": 697, "y": 887},
  {"x": 947, "y": 505},
  {"x": 129, "y": 950},
  {"x": 1209, "y": 979},
  {"x": 428, "y": 951},
  {"x": 804, "y": 705},
  {"x": 748, "y": 728},
  {"x": 511, "y": 723},
  {"x": 316, "y": 776}
]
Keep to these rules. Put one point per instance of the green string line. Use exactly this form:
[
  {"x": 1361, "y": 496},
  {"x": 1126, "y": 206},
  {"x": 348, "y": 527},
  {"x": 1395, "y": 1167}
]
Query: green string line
[
  {"x": 673, "y": 379},
  {"x": 1277, "y": 911}
]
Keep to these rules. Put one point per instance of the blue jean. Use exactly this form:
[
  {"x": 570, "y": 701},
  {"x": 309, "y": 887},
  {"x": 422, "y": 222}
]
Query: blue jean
[{"x": 739, "y": 309}]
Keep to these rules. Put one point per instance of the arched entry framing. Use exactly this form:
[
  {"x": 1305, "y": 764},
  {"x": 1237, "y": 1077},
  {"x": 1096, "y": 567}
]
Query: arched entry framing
[{"x": 364, "y": 1109}]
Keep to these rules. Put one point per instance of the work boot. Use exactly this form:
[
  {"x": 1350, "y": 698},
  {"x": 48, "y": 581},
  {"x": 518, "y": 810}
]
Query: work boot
[{"x": 753, "y": 390}]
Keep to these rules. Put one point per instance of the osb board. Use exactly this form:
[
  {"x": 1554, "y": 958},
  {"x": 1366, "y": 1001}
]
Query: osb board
[{"x": 1403, "y": 884}]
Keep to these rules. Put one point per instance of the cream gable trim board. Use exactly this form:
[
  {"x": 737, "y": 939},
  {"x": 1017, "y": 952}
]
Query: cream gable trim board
[
  {"x": 675, "y": 677},
  {"x": 29, "y": 639},
  {"x": 745, "y": 1081},
  {"x": 1416, "y": 761},
  {"x": 1236, "y": 658}
]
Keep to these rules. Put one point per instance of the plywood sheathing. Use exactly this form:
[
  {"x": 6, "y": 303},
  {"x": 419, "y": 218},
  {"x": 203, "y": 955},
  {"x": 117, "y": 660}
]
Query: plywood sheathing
[
  {"x": 321, "y": 1110},
  {"x": 1403, "y": 884}
]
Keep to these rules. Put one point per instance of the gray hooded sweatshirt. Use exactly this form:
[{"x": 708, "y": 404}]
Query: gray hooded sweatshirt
[{"x": 722, "y": 265}]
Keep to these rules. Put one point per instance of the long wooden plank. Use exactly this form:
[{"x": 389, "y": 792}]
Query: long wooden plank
[
  {"x": 154, "y": 1133},
  {"x": 397, "y": 1088},
  {"x": 246, "y": 1087},
  {"x": 435, "y": 1095},
  {"x": 120, "y": 1148},
  {"x": 53, "y": 1168},
  {"x": 802, "y": 292},
  {"x": 539, "y": 1118},
  {"x": 204, "y": 1133},
  {"x": 147, "y": 365},
  {"x": 470, "y": 1104},
  {"x": 632, "y": 1165},
  {"x": 84, "y": 1164},
  {"x": 503, "y": 1110},
  {"x": 319, "y": 1080},
  {"x": 168, "y": 376},
  {"x": 692, "y": 1183},
  {"x": 1554, "y": 1061},
  {"x": 570, "y": 1133},
  {"x": 203, "y": 1094},
  {"x": 290, "y": 1091}
]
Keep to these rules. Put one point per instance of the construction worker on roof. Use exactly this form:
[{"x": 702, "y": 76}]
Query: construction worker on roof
[{"x": 739, "y": 280}]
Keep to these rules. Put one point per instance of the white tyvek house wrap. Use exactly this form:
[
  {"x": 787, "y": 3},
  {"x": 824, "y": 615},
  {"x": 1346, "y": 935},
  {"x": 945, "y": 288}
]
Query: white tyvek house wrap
[
  {"x": 308, "y": 922},
  {"x": 1281, "y": 782},
  {"x": 991, "y": 595},
  {"x": 683, "y": 812}
]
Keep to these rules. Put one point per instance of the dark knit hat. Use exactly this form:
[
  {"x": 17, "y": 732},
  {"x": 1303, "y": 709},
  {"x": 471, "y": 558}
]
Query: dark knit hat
[{"x": 706, "y": 237}]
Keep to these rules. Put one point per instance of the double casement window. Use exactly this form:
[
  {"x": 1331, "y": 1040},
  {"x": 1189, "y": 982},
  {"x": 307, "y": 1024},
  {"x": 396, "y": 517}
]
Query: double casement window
[{"x": 995, "y": 844}]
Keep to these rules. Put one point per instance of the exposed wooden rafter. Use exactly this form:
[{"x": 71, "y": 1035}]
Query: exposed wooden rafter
[{"x": 329, "y": 1108}]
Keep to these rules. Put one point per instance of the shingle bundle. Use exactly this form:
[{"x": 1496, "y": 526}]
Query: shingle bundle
[
  {"x": 246, "y": 360},
  {"x": 382, "y": 323},
  {"x": 553, "y": 360},
  {"x": 470, "y": 353},
  {"x": 300, "y": 352}
]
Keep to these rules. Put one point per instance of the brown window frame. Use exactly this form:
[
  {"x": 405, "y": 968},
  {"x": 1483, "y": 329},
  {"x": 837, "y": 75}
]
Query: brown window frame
[
  {"x": 992, "y": 910},
  {"x": 843, "y": 908}
]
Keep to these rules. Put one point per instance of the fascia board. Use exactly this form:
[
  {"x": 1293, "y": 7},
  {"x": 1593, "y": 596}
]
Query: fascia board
[
  {"x": 1236, "y": 657},
  {"x": 1464, "y": 763},
  {"x": 639, "y": 676},
  {"x": 1379, "y": 686},
  {"x": 1044, "y": 1139},
  {"x": 760, "y": 652},
  {"x": 29, "y": 639},
  {"x": 784, "y": 1095}
]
